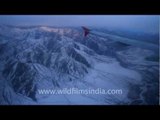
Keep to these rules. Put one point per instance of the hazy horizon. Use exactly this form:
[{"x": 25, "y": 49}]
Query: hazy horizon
[{"x": 144, "y": 23}]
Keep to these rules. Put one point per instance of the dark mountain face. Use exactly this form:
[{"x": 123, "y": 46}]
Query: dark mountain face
[
  {"x": 21, "y": 77},
  {"x": 34, "y": 58}
]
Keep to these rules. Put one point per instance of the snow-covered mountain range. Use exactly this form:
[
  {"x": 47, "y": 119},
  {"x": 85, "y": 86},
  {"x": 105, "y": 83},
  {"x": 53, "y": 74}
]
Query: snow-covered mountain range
[{"x": 34, "y": 58}]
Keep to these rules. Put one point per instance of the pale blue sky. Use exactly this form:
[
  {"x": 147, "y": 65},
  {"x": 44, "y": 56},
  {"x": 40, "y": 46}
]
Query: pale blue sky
[{"x": 146, "y": 23}]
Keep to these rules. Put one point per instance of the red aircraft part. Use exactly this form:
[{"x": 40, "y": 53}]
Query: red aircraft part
[{"x": 86, "y": 31}]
